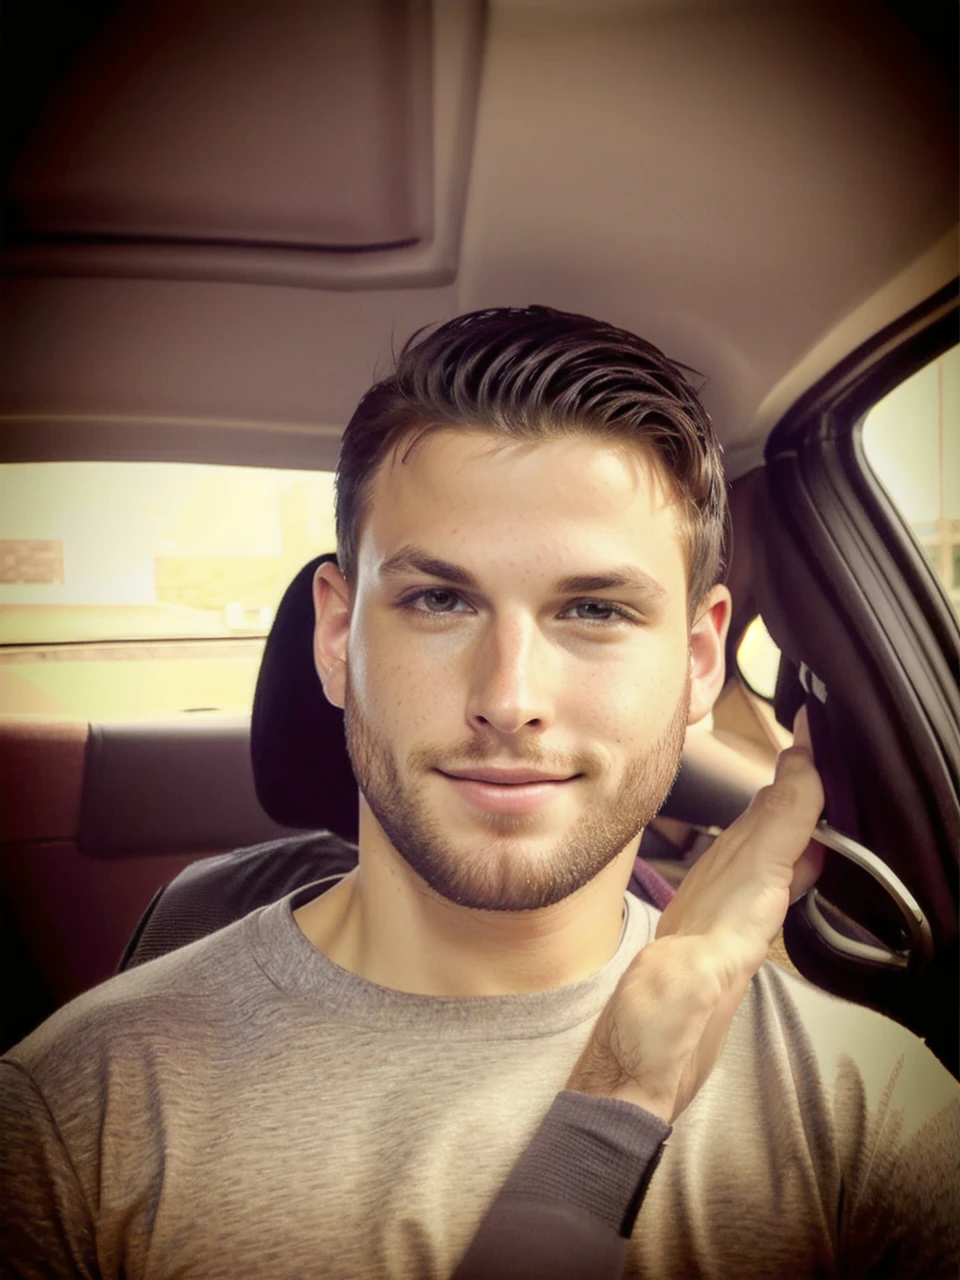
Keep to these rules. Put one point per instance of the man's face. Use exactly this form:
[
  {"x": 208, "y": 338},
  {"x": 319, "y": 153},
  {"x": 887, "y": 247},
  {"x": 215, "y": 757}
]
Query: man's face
[{"x": 516, "y": 669}]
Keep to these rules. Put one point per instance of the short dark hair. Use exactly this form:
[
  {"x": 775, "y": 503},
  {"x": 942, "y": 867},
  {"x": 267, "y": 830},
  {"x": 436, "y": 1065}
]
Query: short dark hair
[{"x": 530, "y": 374}]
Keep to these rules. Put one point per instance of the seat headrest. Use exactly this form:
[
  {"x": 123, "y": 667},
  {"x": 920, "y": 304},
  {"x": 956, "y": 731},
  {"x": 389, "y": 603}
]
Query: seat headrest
[{"x": 301, "y": 769}]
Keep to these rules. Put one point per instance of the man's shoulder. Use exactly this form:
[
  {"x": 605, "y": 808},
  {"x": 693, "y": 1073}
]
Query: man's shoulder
[
  {"x": 797, "y": 998},
  {"x": 149, "y": 1003},
  {"x": 849, "y": 1047}
]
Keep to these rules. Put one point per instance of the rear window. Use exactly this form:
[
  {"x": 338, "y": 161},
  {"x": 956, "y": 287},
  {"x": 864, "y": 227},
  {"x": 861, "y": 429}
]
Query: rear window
[{"x": 138, "y": 589}]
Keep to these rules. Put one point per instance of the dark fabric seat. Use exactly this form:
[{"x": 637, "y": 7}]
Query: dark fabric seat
[
  {"x": 213, "y": 892},
  {"x": 303, "y": 778}
]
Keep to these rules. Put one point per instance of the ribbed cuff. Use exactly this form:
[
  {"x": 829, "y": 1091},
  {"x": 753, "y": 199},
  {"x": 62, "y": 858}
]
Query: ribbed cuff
[{"x": 596, "y": 1153}]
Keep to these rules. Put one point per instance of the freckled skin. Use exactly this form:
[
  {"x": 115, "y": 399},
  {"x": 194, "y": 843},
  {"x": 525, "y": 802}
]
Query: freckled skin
[
  {"x": 437, "y": 677},
  {"x": 501, "y": 870}
]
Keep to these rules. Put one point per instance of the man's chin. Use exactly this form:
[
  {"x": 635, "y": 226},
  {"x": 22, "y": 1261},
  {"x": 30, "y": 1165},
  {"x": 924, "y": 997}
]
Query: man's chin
[
  {"x": 504, "y": 870},
  {"x": 510, "y": 894}
]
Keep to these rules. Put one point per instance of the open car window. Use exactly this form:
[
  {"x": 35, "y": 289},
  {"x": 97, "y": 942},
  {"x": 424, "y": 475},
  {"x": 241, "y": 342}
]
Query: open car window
[
  {"x": 140, "y": 589},
  {"x": 758, "y": 659},
  {"x": 911, "y": 439}
]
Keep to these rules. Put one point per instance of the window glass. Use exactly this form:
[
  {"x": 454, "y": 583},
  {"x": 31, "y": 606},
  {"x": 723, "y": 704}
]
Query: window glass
[
  {"x": 131, "y": 589},
  {"x": 759, "y": 659},
  {"x": 912, "y": 441}
]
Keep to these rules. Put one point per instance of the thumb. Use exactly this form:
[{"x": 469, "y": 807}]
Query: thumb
[{"x": 810, "y": 863}]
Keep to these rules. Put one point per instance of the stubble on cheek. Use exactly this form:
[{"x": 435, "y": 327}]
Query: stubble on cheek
[{"x": 496, "y": 869}]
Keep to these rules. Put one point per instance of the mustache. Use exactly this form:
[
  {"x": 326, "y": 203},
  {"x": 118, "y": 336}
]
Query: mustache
[{"x": 465, "y": 755}]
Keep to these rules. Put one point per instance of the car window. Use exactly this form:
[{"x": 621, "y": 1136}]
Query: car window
[
  {"x": 758, "y": 658},
  {"x": 912, "y": 441},
  {"x": 136, "y": 589}
]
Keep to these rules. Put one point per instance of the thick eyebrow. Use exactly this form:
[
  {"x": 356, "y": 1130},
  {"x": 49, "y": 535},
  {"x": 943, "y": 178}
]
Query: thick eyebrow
[{"x": 630, "y": 577}]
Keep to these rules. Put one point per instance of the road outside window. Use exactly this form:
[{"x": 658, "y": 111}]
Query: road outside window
[{"x": 138, "y": 589}]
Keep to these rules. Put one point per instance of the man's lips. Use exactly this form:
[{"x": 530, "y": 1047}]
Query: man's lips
[
  {"x": 506, "y": 777},
  {"x": 507, "y": 791}
]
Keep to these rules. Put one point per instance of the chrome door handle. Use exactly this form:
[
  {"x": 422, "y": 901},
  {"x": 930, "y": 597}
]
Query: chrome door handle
[{"x": 918, "y": 927}]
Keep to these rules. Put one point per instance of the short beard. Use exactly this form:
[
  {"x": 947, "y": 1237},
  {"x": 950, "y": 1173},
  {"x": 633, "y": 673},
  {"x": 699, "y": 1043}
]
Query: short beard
[{"x": 500, "y": 877}]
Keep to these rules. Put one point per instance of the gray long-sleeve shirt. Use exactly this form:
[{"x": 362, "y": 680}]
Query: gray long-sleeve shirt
[{"x": 245, "y": 1106}]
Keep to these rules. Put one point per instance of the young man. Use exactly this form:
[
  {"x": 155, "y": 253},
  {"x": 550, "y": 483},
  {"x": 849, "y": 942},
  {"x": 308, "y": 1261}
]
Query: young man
[{"x": 465, "y": 1057}]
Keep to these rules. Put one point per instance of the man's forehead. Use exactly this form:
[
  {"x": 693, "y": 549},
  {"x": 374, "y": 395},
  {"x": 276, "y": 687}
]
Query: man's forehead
[
  {"x": 587, "y": 504},
  {"x": 461, "y": 458}
]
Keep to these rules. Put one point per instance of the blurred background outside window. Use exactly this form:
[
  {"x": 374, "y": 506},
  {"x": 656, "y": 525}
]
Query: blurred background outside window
[
  {"x": 132, "y": 589},
  {"x": 912, "y": 441}
]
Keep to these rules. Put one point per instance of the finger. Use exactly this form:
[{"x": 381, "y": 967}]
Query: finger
[
  {"x": 796, "y": 783},
  {"x": 801, "y": 731},
  {"x": 807, "y": 871},
  {"x": 782, "y": 816},
  {"x": 809, "y": 866}
]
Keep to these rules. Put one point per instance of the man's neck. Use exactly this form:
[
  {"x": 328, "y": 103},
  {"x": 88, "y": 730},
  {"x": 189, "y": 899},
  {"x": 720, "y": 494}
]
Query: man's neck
[{"x": 386, "y": 925}]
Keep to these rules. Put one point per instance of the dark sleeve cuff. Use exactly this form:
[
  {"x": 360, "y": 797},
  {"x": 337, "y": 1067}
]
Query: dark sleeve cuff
[
  {"x": 569, "y": 1205},
  {"x": 596, "y": 1153},
  {"x": 522, "y": 1239}
]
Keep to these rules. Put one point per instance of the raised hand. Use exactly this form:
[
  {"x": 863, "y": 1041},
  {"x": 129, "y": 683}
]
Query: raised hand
[{"x": 665, "y": 1024}]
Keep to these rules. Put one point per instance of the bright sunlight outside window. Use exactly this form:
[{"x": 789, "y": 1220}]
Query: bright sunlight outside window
[
  {"x": 759, "y": 659},
  {"x": 138, "y": 589},
  {"x": 912, "y": 440}
]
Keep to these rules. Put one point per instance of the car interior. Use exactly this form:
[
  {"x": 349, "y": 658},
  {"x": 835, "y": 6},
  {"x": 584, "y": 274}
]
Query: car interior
[{"x": 219, "y": 221}]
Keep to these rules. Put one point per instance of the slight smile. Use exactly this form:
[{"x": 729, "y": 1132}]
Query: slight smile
[{"x": 528, "y": 793}]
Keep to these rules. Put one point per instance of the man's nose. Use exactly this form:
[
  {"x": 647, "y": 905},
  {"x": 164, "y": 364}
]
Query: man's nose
[{"x": 511, "y": 678}]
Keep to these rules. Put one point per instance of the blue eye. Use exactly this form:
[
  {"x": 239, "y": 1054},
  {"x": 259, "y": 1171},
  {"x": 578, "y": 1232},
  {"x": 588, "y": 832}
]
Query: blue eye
[
  {"x": 431, "y": 597},
  {"x": 437, "y": 601},
  {"x": 607, "y": 612}
]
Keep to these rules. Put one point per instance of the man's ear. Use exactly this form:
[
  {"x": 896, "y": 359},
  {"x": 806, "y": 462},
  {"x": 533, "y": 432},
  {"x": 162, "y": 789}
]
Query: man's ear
[
  {"x": 331, "y": 607},
  {"x": 708, "y": 638}
]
